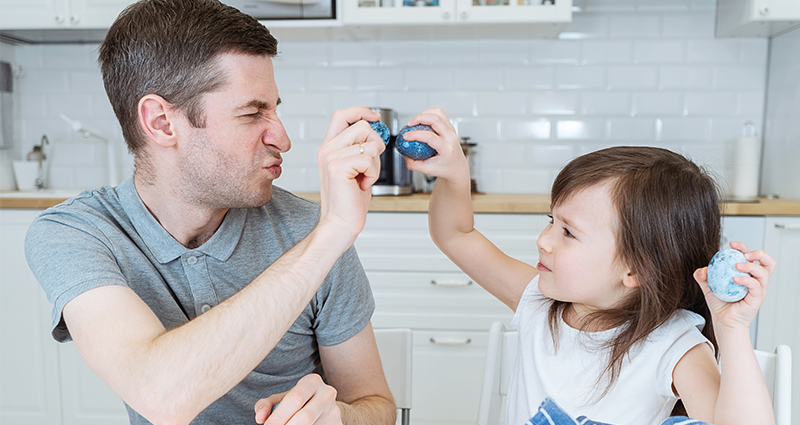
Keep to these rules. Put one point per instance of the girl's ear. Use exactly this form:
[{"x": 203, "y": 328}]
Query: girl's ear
[
  {"x": 630, "y": 280},
  {"x": 157, "y": 118}
]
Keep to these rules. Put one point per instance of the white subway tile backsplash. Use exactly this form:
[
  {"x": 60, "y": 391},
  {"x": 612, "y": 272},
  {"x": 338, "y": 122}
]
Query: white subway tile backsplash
[
  {"x": 655, "y": 103},
  {"x": 743, "y": 77},
  {"x": 580, "y": 77},
  {"x": 694, "y": 130},
  {"x": 605, "y": 103},
  {"x": 502, "y": 103},
  {"x": 553, "y": 103},
  {"x": 538, "y": 77},
  {"x": 683, "y": 25},
  {"x": 632, "y": 77},
  {"x": 659, "y": 51},
  {"x": 322, "y": 79},
  {"x": 635, "y": 131},
  {"x": 638, "y": 72},
  {"x": 455, "y": 104},
  {"x": 607, "y": 51},
  {"x": 711, "y": 103},
  {"x": 539, "y": 128},
  {"x": 685, "y": 77},
  {"x": 478, "y": 78},
  {"x": 419, "y": 78},
  {"x": 590, "y": 129},
  {"x": 502, "y": 51},
  {"x": 379, "y": 79},
  {"x": 555, "y": 51},
  {"x": 625, "y": 25}
]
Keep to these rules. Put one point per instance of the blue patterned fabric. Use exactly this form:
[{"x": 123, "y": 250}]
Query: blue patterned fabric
[{"x": 551, "y": 414}]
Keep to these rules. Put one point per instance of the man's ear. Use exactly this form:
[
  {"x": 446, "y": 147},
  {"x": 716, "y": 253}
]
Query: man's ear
[
  {"x": 157, "y": 118},
  {"x": 630, "y": 280}
]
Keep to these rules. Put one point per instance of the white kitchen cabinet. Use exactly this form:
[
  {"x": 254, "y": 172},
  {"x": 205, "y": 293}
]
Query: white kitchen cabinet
[
  {"x": 779, "y": 318},
  {"x": 59, "y": 14},
  {"x": 29, "y": 372},
  {"x": 559, "y": 14},
  {"x": 756, "y": 18},
  {"x": 416, "y": 286},
  {"x": 41, "y": 381}
]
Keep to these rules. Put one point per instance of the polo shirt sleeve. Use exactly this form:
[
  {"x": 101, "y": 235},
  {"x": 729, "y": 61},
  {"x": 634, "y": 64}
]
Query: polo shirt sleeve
[
  {"x": 345, "y": 303},
  {"x": 69, "y": 255}
]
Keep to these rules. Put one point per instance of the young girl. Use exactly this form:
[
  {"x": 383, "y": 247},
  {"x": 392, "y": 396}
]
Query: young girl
[{"x": 616, "y": 321}]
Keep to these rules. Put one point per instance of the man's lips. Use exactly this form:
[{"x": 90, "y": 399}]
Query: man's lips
[{"x": 541, "y": 267}]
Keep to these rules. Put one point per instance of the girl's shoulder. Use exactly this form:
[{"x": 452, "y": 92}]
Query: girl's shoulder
[{"x": 680, "y": 322}]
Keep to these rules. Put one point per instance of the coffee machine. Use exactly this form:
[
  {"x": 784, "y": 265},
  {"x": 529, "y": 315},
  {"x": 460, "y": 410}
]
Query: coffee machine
[{"x": 395, "y": 178}]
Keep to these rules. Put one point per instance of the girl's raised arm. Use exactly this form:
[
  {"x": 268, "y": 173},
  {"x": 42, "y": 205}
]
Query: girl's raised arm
[{"x": 450, "y": 215}]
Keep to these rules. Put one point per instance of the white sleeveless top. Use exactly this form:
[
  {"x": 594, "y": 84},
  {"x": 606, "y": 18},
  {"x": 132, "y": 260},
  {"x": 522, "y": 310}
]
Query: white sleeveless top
[{"x": 642, "y": 393}]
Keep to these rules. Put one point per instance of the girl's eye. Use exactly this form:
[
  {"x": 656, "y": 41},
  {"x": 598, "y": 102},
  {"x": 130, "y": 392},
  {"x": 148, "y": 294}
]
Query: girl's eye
[
  {"x": 550, "y": 216},
  {"x": 567, "y": 233}
]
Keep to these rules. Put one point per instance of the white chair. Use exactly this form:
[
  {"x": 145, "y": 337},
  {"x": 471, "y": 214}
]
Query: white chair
[
  {"x": 502, "y": 353},
  {"x": 394, "y": 346}
]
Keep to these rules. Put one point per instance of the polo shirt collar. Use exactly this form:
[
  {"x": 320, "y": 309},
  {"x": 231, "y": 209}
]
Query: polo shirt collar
[{"x": 162, "y": 245}]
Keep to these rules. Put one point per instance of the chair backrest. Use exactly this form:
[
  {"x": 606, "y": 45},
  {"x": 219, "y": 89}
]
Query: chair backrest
[
  {"x": 394, "y": 346},
  {"x": 777, "y": 370},
  {"x": 501, "y": 355}
]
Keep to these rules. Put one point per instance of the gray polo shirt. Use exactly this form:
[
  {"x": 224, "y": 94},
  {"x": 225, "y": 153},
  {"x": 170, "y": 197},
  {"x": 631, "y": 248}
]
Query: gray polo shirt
[{"x": 108, "y": 237}]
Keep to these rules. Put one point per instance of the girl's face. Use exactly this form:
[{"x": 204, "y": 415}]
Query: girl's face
[{"x": 577, "y": 253}]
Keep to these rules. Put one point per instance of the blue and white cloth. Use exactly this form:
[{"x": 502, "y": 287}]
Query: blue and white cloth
[{"x": 551, "y": 414}]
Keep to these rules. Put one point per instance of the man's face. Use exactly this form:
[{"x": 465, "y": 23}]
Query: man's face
[{"x": 232, "y": 162}]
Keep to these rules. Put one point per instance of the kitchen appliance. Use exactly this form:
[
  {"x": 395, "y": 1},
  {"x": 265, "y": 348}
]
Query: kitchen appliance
[
  {"x": 395, "y": 178},
  {"x": 286, "y": 9}
]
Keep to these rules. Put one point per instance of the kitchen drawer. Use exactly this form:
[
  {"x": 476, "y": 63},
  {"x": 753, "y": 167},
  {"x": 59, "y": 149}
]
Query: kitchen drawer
[
  {"x": 400, "y": 241},
  {"x": 433, "y": 301}
]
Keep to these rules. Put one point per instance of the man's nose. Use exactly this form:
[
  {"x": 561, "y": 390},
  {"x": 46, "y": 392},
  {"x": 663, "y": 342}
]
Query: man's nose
[{"x": 276, "y": 137}]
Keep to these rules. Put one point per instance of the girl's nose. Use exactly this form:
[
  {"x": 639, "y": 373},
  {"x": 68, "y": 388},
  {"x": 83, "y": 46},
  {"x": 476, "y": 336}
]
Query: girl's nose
[{"x": 543, "y": 243}]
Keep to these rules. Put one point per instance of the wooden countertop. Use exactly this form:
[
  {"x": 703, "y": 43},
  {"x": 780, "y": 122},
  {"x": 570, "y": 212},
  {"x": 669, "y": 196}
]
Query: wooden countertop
[{"x": 482, "y": 203}]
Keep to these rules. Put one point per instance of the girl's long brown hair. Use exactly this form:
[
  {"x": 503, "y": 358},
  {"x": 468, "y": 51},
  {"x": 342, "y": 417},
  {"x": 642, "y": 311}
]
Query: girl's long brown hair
[{"x": 668, "y": 226}]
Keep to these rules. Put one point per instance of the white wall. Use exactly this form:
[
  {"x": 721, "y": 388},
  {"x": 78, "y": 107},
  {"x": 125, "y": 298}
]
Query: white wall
[
  {"x": 646, "y": 72},
  {"x": 781, "y": 173}
]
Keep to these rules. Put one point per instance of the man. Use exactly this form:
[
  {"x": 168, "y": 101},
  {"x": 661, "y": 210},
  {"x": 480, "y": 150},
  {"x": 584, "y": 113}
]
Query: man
[{"x": 196, "y": 290}]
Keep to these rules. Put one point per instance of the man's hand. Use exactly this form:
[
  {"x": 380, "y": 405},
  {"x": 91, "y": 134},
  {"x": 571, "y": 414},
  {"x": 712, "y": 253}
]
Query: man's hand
[
  {"x": 311, "y": 401},
  {"x": 349, "y": 163}
]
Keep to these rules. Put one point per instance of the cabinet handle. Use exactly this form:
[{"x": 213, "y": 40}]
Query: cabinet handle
[
  {"x": 59, "y": 19},
  {"x": 464, "y": 14},
  {"x": 451, "y": 283},
  {"x": 450, "y": 341},
  {"x": 74, "y": 19},
  {"x": 446, "y": 15},
  {"x": 787, "y": 226}
]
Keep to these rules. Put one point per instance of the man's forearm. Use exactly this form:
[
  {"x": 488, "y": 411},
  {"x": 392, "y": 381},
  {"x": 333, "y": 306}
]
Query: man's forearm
[{"x": 372, "y": 410}]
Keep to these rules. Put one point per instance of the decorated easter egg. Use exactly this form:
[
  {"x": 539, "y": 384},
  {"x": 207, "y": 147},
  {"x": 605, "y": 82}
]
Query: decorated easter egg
[
  {"x": 722, "y": 270},
  {"x": 414, "y": 149},
  {"x": 382, "y": 131}
]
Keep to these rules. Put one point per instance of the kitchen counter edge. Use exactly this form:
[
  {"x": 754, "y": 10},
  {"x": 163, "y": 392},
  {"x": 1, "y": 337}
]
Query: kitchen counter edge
[{"x": 481, "y": 203}]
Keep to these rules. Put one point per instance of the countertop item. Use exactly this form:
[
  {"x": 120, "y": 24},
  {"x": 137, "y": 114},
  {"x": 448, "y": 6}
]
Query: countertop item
[{"x": 525, "y": 203}]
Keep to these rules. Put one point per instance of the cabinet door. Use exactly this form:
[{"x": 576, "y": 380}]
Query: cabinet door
[
  {"x": 376, "y": 12},
  {"x": 87, "y": 399},
  {"x": 779, "y": 318},
  {"x": 447, "y": 375},
  {"x": 39, "y": 14},
  {"x": 29, "y": 380},
  {"x": 559, "y": 13}
]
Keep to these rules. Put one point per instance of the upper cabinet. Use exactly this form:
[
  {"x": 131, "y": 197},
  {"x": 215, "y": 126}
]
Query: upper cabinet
[
  {"x": 756, "y": 18},
  {"x": 554, "y": 14},
  {"x": 59, "y": 14}
]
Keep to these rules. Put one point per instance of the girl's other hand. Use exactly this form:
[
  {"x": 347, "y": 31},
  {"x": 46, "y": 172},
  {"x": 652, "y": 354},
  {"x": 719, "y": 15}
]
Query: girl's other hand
[
  {"x": 741, "y": 313},
  {"x": 449, "y": 163}
]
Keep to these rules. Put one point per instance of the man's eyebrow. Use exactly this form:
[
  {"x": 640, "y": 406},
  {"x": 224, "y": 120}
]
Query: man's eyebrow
[{"x": 258, "y": 104}]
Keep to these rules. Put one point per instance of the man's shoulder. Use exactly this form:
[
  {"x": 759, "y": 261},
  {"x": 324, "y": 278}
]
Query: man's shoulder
[{"x": 287, "y": 201}]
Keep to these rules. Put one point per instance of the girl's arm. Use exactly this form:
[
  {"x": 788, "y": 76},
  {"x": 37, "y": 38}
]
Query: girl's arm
[
  {"x": 739, "y": 395},
  {"x": 450, "y": 215}
]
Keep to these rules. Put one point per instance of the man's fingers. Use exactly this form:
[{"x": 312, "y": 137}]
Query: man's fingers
[{"x": 344, "y": 118}]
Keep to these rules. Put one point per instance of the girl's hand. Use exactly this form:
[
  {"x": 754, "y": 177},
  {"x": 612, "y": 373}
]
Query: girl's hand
[
  {"x": 737, "y": 315},
  {"x": 449, "y": 163}
]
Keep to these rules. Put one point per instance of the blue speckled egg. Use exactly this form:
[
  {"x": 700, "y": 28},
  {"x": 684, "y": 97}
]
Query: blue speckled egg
[
  {"x": 414, "y": 149},
  {"x": 382, "y": 131},
  {"x": 722, "y": 270}
]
